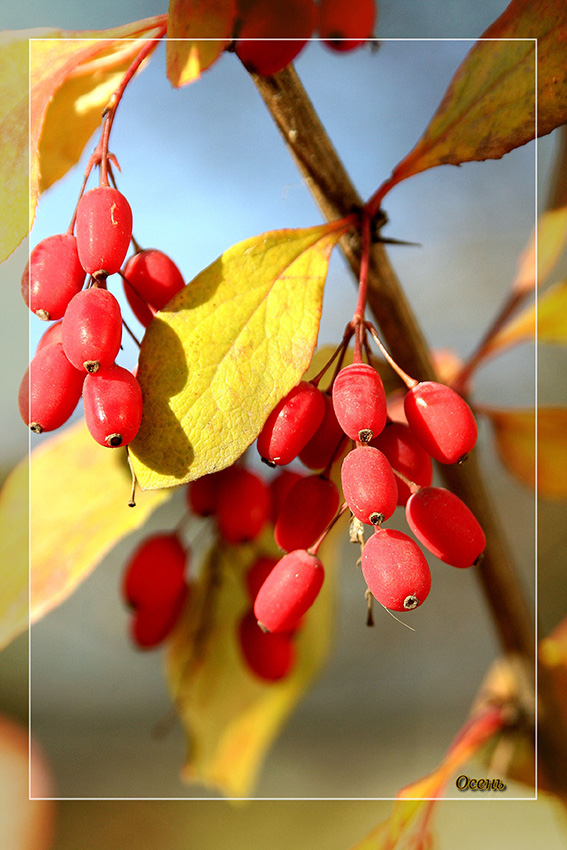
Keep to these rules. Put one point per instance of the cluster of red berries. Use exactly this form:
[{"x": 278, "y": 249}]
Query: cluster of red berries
[
  {"x": 268, "y": 36},
  {"x": 76, "y": 356}
]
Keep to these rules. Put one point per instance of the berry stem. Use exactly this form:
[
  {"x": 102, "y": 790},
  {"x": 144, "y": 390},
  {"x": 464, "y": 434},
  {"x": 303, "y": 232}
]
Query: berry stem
[
  {"x": 408, "y": 381},
  {"x": 339, "y": 350},
  {"x": 315, "y": 548},
  {"x": 358, "y": 318}
]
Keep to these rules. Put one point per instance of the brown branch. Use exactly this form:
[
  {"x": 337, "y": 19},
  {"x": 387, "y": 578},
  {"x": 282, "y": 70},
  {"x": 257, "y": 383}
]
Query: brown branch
[{"x": 331, "y": 187}]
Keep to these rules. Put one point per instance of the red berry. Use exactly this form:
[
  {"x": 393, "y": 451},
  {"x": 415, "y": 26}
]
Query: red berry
[
  {"x": 360, "y": 401},
  {"x": 149, "y": 627},
  {"x": 52, "y": 276},
  {"x": 141, "y": 309},
  {"x": 154, "y": 277},
  {"x": 369, "y": 485},
  {"x": 50, "y": 390},
  {"x": 406, "y": 455},
  {"x": 269, "y": 656},
  {"x": 395, "y": 570},
  {"x": 280, "y": 486},
  {"x": 291, "y": 424},
  {"x": 154, "y": 576},
  {"x": 344, "y": 25},
  {"x": 445, "y": 526},
  {"x": 104, "y": 230},
  {"x": 441, "y": 420},
  {"x": 257, "y": 573},
  {"x": 202, "y": 494},
  {"x": 324, "y": 443},
  {"x": 112, "y": 400},
  {"x": 53, "y": 334},
  {"x": 92, "y": 329},
  {"x": 243, "y": 505},
  {"x": 272, "y": 34},
  {"x": 289, "y": 591},
  {"x": 306, "y": 512}
]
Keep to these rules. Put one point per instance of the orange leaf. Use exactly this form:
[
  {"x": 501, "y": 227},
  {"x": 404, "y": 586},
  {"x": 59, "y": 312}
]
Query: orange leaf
[
  {"x": 550, "y": 242},
  {"x": 489, "y": 107},
  {"x": 190, "y": 21},
  {"x": 515, "y": 433},
  {"x": 60, "y": 55}
]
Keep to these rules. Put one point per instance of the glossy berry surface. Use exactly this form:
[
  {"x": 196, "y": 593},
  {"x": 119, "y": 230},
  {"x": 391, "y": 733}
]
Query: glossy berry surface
[
  {"x": 344, "y": 25},
  {"x": 243, "y": 506},
  {"x": 289, "y": 591},
  {"x": 324, "y": 443},
  {"x": 92, "y": 329},
  {"x": 291, "y": 424},
  {"x": 445, "y": 526},
  {"x": 52, "y": 276},
  {"x": 360, "y": 401},
  {"x": 154, "y": 277},
  {"x": 112, "y": 401},
  {"x": 50, "y": 389},
  {"x": 395, "y": 570},
  {"x": 289, "y": 25},
  {"x": 406, "y": 455},
  {"x": 269, "y": 656},
  {"x": 369, "y": 485},
  {"x": 441, "y": 420},
  {"x": 104, "y": 229},
  {"x": 305, "y": 513}
]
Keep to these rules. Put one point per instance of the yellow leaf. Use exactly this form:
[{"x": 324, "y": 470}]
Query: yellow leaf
[
  {"x": 230, "y": 716},
  {"x": 515, "y": 433},
  {"x": 197, "y": 33},
  {"x": 56, "y": 57},
  {"x": 550, "y": 242},
  {"x": 490, "y": 105},
  {"x": 14, "y": 119},
  {"x": 77, "y": 497},
  {"x": 225, "y": 350},
  {"x": 551, "y": 318}
]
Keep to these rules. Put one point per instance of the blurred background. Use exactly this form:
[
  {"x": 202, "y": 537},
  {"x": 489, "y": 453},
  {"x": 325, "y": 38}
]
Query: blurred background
[{"x": 203, "y": 168}]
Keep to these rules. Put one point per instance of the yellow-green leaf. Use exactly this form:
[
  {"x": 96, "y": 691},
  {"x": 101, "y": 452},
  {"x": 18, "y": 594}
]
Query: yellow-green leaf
[
  {"x": 14, "y": 119},
  {"x": 225, "y": 350},
  {"x": 73, "y": 72},
  {"x": 77, "y": 497},
  {"x": 230, "y": 716},
  {"x": 197, "y": 32},
  {"x": 490, "y": 105},
  {"x": 549, "y": 244},
  {"x": 550, "y": 314},
  {"x": 515, "y": 435}
]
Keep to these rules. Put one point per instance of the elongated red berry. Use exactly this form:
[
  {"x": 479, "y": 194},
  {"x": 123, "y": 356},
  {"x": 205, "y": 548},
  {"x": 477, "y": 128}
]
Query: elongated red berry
[
  {"x": 243, "y": 506},
  {"x": 344, "y": 25},
  {"x": 150, "y": 627},
  {"x": 324, "y": 443},
  {"x": 50, "y": 390},
  {"x": 441, "y": 420},
  {"x": 360, "y": 401},
  {"x": 155, "y": 574},
  {"x": 52, "y": 276},
  {"x": 54, "y": 333},
  {"x": 406, "y": 455},
  {"x": 280, "y": 486},
  {"x": 270, "y": 35},
  {"x": 104, "y": 230},
  {"x": 395, "y": 570},
  {"x": 289, "y": 591},
  {"x": 257, "y": 573},
  {"x": 369, "y": 485},
  {"x": 153, "y": 276},
  {"x": 291, "y": 424},
  {"x": 92, "y": 329},
  {"x": 202, "y": 494},
  {"x": 306, "y": 512},
  {"x": 445, "y": 526},
  {"x": 112, "y": 401},
  {"x": 269, "y": 656}
]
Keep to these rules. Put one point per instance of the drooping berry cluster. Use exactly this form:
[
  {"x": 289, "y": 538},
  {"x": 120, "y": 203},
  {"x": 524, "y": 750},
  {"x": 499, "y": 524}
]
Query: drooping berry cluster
[{"x": 268, "y": 36}]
